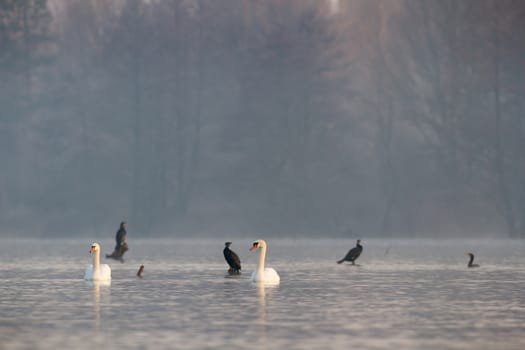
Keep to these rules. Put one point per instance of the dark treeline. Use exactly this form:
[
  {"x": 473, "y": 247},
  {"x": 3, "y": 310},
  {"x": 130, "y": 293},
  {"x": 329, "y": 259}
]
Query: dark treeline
[{"x": 386, "y": 118}]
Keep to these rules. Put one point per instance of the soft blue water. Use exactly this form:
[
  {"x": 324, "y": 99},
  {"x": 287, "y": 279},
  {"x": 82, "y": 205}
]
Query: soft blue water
[{"x": 418, "y": 296}]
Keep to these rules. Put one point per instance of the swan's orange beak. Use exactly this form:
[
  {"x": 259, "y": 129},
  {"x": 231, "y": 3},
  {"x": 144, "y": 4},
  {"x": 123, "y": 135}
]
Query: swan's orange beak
[
  {"x": 91, "y": 250},
  {"x": 254, "y": 246}
]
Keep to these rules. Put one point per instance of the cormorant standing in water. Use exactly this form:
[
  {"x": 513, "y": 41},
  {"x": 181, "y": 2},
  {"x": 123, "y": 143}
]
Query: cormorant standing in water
[
  {"x": 353, "y": 254},
  {"x": 470, "y": 262},
  {"x": 232, "y": 259}
]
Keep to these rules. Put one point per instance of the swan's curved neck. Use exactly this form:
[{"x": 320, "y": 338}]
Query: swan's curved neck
[
  {"x": 96, "y": 260},
  {"x": 262, "y": 256},
  {"x": 471, "y": 260}
]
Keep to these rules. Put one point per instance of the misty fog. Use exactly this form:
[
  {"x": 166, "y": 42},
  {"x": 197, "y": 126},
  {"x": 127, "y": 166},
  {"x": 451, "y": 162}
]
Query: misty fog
[{"x": 320, "y": 118}]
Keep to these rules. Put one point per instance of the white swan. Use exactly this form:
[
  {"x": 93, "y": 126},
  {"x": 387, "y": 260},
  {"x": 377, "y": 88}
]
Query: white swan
[
  {"x": 96, "y": 271},
  {"x": 263, "y": 275}
]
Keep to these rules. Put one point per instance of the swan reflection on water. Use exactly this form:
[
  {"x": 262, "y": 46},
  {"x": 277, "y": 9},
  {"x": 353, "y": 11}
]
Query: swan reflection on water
[
  {"x": 261, "y": 308},
  {"x": 261, "y": 295},
  {"x": 262, "y": 289},
  {"x": 95, "y": 290}
]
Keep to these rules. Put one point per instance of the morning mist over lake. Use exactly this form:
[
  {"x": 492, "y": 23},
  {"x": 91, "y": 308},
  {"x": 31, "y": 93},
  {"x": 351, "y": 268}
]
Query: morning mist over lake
[
  {"x": 398, "y": 118},
  {"x": 262, "y": 174}
]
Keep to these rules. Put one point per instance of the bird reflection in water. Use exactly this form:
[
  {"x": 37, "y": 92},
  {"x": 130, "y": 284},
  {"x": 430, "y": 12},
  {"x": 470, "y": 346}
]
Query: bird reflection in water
[
  {"x": 95, "y": 288},
  {"x": 261, "y": 308},
  {"x": 263, "y": 290}
]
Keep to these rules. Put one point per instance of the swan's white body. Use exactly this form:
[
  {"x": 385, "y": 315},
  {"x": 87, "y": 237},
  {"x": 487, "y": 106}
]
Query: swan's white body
[
  {"x": 261, "y": 274},
  {"x": 96, "y": 271}
]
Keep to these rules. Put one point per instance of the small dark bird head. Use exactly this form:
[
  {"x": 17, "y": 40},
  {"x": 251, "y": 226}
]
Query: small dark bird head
[
  {"x": 358, "y": 241},
  {"x": 140, "y": 271},
  {"x": 470, "y": 254},
  {"x": 227, "y": 244}
]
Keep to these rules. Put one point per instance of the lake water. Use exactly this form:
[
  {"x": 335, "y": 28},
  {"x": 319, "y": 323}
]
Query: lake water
[{"x": 406, "y": 294}]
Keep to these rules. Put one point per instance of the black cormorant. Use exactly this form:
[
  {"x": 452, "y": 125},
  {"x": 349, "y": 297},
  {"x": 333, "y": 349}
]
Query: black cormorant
[
  {"x": 121, "y": 246},
  {"x": 353, "y": 254},
  {"x": 470, "y": 264},
  {"x": 232, "y": 259}
]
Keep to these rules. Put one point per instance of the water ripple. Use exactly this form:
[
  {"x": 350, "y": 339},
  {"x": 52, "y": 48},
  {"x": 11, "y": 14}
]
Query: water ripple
[{"x": 414, "y": 298}]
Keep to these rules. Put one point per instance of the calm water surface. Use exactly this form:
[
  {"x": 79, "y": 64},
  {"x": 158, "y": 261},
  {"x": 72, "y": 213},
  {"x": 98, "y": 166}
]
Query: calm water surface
[{"x": 413, "y": 295}]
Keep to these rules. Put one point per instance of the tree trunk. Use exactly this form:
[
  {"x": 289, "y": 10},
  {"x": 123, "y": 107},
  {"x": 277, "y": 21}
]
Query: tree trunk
[{"x": 499, "y": 161}]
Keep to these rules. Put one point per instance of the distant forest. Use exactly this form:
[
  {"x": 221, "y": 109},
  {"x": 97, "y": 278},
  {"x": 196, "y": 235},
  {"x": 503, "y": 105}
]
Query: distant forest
[{"x": 321, "y": 118}]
